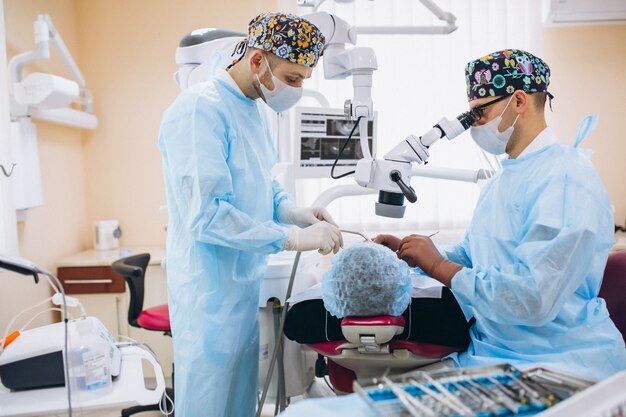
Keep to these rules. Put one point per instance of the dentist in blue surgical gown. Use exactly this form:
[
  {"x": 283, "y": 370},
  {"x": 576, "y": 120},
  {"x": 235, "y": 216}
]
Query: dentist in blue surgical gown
[
  {"x": 226, "y": 214},
  {"x": 530, "y": 265}
]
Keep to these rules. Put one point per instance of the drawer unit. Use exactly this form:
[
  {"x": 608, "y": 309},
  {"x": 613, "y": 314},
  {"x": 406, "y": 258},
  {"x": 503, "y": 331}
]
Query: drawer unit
[{"x": 90, "y": 280}]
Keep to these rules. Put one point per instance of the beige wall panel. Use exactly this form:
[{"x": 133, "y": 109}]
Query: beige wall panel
[
  {"x": 128, "y": 57},
  {"x": 589, "y": 76}
]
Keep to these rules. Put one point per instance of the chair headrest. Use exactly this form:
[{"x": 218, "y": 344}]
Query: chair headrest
[
  {"x": 374, "y": 321},
  {"x": 371, "y": 330}
]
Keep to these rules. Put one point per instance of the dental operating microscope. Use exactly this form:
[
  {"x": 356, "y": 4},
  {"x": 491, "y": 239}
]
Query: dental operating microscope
[
  {"x": 204, "y": 50},
  {"x": 390, "y": 176}
]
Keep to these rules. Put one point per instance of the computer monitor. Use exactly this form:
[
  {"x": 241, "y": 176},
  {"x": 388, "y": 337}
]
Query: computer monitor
[{"x": 320, "y": 133}]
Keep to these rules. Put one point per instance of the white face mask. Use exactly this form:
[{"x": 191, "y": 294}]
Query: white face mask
[
  {"x": 488, "y": 136},
  {"x": 283, "y": 96}
]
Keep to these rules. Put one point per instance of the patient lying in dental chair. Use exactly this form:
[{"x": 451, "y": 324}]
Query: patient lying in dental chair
[{"x": 366, "y": 280}]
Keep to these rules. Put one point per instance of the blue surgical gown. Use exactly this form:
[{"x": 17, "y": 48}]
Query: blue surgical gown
[
  {"x": 217, "y": 154},
  {"x": 533, "y": 257}
]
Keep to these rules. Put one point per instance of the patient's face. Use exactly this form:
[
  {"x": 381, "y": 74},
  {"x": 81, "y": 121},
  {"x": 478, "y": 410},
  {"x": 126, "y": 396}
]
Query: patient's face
[{"x": 366, "y": 279}]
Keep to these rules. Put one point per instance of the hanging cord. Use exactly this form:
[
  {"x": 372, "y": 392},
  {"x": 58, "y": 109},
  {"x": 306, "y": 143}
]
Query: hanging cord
[
  {"x": 239, "y": 52},
  {"x": 281, "y": 328},
  {"x": 328, "y": 384},
  {"x": 550, "y": 97},
  {"x": 332, "y": 170},
  {"x": 60, "y": 289},
  {"x": 164, "y": 398}
]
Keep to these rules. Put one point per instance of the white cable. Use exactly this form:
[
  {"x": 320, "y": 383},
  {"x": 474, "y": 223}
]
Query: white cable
[
  {"x": 135, "y": 342},
  {"x": 164, "y": 398},
  {"x": 65, "y": 341},
  {"x": 363, "y": 138},
  {"x": 163, "y": 404},
  {"x": 40, "y": 313},
  {"x": 54, "y": 287},
  {"x": 486, "y": 158},
  {"x": 8, "y": 328}
]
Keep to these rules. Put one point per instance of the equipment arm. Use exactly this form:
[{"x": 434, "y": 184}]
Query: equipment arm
[
  {"x": 415, "y": 149},
  {"x": 392, "y": 175},
  {"x": 339, "y": 63}
]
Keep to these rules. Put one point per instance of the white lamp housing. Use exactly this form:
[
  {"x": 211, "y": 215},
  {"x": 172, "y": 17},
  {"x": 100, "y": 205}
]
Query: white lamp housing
[{"x": 46, "y": 91}]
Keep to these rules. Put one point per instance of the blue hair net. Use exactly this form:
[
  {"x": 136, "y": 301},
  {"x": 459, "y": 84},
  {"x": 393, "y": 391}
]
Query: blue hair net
[{"x": 366, "y": 280}]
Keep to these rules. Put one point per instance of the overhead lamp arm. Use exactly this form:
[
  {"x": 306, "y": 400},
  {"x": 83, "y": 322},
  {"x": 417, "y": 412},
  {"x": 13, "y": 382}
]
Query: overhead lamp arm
[{"x": 46, "y": 32}]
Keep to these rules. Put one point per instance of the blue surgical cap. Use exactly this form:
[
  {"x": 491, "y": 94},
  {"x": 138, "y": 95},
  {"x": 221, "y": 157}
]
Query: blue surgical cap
[{"x": 366, "y": 280}]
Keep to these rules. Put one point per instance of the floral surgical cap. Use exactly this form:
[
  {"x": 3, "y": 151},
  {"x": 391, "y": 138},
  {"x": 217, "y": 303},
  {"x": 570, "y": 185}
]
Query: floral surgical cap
[
  {"x": 287, "y": 36},
  {"x": 501, "y": 73}
]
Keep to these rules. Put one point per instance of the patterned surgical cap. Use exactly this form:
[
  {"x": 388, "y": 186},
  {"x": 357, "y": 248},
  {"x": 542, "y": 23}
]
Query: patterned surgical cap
[
  {"x": 287, "y": 36},
  {"x": 501, "y": 73}
]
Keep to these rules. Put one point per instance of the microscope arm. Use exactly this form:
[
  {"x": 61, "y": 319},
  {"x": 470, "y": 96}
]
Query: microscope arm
[{"x": 392, "y": 175}]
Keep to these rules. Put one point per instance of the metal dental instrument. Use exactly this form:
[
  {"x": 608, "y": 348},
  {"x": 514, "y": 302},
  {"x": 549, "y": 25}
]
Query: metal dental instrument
[
  {"x": 470, "y": 394},
  {"x": 514, "y": 395},
  {"x": 511, "y": 399},
  {"x": 497, "y": 397},
  {"x": 412, "y": 405},
  {"x": 367, "y": 239},
  {"x": 450, "y": 403},
  {"x": 500, "y": 390},
  {"x": 429, "y": 236},
  {"x": 530, "y": 391},
  {"x": 448, "y": 394}
]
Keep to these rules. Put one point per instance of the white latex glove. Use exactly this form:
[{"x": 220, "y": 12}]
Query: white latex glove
[
  {"x": 289, "y": 213},
  {"x": 322, "y": 236}
]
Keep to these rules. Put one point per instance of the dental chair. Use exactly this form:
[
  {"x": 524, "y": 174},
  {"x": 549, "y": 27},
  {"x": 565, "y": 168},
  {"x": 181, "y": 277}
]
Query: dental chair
[
  {"x": 357, "y": 347},
  {"x": 613, "y": 289},
  {"x": 133, "y": 269}
]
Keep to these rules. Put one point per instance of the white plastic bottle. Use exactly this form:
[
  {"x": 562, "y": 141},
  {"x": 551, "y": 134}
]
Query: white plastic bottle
[{"x": 89, "y": 360}]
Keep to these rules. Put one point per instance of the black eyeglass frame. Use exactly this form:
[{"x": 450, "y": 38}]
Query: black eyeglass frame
[{"x": 477, "y": 112}]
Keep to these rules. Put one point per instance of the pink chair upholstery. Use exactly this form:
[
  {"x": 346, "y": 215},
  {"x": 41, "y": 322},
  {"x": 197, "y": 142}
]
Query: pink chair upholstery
[
  {"x": 369, "y": 350},
  {"x": 155, "y": 318},
  {"x": 613, "y": 289}
]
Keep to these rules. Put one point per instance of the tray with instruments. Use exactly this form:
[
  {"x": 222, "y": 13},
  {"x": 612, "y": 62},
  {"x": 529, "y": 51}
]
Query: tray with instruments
[{"x": 500, "y": 390}]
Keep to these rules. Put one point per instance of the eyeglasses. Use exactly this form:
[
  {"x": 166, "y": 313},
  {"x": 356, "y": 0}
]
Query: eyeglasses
[{"x": 478, "y": 111}]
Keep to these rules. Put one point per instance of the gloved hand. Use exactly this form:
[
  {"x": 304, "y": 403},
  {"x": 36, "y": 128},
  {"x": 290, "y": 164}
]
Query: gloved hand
[
  {"x": 389, "y": 241},
  {"x": 322, "y": 236},
  {"x": 289, "y": 213},
  {"x": 417, "y": 250}
]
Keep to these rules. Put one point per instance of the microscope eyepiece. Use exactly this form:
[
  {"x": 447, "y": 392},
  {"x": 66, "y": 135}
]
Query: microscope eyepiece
[{"x": 466, "y": 119}]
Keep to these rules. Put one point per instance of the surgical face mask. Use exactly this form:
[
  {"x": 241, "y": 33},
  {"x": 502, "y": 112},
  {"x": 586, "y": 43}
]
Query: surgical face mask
[
  {"x": 283, "y": 96},
  {"x": 488, "y": 136}
]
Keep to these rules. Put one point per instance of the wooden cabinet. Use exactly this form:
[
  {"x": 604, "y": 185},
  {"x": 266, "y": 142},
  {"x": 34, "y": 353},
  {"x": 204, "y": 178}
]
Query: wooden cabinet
[{"x": 90, "y": 280}]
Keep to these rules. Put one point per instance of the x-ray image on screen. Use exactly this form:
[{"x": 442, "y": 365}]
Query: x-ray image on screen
[
  {"x": 343, "y": 127},
  {"x": 310, "y": 148},
  {"x": 321, "y": 133}
]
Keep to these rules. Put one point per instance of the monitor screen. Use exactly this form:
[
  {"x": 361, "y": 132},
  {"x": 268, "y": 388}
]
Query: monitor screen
[{"x": 320, "y": 134}]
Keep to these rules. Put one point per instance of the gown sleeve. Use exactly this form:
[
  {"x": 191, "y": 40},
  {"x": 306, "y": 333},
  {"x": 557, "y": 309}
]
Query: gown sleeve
[
  {"x": 561, "y": 231},
  {"x": 457, "y": 252},
  {"x": 195, "y": 145}
]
